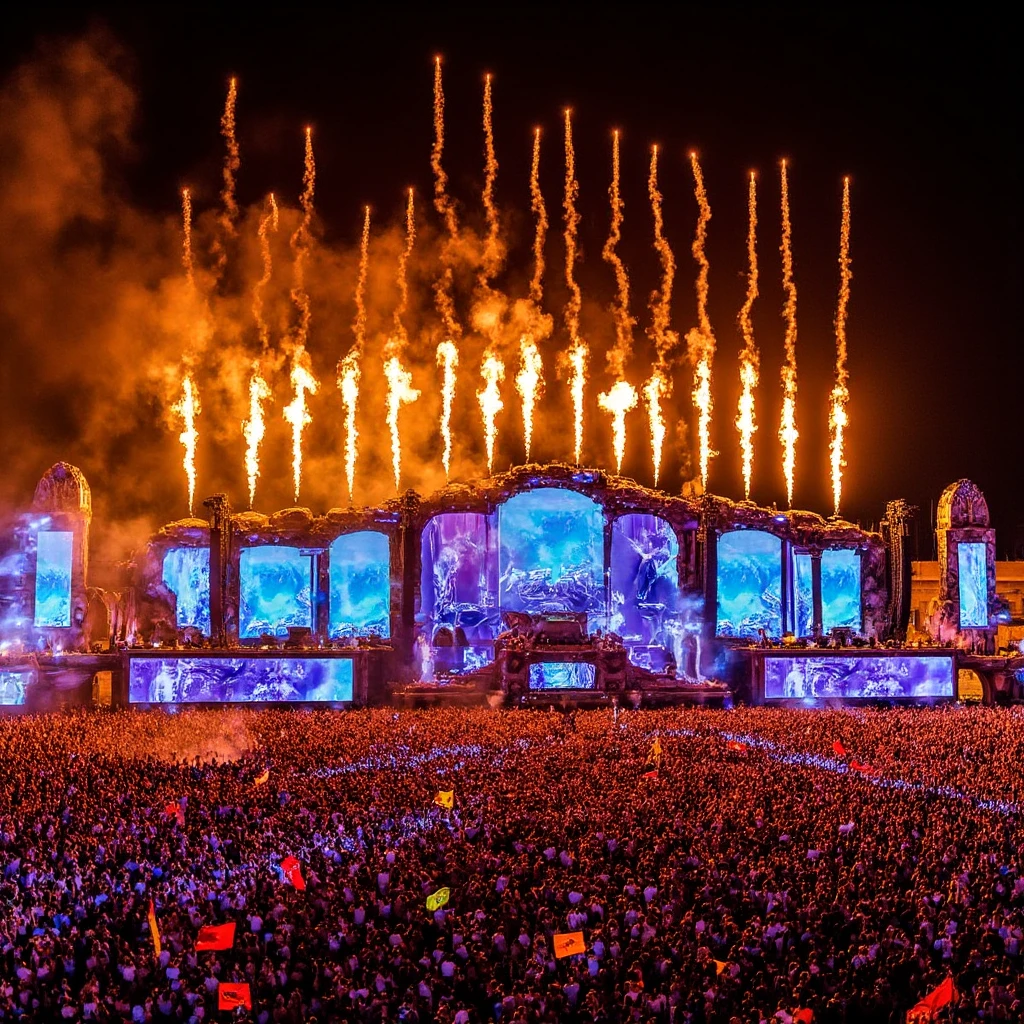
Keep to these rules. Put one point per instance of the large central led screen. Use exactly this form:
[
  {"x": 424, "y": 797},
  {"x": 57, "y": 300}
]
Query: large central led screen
[
  {"x": 840, "y": 589},
  {"x": 275, "y": 591},
  {"x": 869, "y": 675},
  {"x": 187, "y": 575},
  {"x": 53, "y": 578},
  {"x": 562, "y": 675},
  {"x": 551, "y": 552},
  {"x": 645, "y": 580},
  {"x": 749, "y": 583},
  {"x": 360, "y": 574},
  {"x": 972, "y": 566},
  {"x": 238, "y": 680}
]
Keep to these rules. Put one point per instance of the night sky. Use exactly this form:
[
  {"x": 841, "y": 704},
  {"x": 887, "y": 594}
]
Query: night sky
[{"x": 922, "y": 114}]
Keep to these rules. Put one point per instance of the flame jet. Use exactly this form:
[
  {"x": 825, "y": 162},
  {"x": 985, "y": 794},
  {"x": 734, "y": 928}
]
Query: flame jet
[
  {"x": 577, "y": 354},
  {"x": 493, "y": 373},
  {"x": 750, "y": 361},
  {"x": 700, "y": 341},
  {"x": 529, "y": 381},
  {"x": 619, "y": 399},
  {"x": 837, "y": 419},
  {"x": 187, "y": 407},
  {"x": 788, "y": 433},
  {"x": 448, "y": 359}
]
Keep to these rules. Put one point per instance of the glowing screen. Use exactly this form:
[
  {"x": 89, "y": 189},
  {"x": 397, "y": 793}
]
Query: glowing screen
[
  {"x": 13, "y": 687},
  {"x": 187, "y": 576},
  {"x": 803, "y": 594},
  {"x": 562, "y": 675},
  {"x": 866, "y": 675},
  {"x": 749, "y": 583},
  {"x": 645, "y": 580},
  {"x": 458, "y": 588},
  {"x": 238, "y": 680},
  {"x": 360, "y": 574},
  {"x": 972, "y": 565},
  {"x": 840, "y": 589},
  {"x": 551, "y": 552},
  {"x": 53, "y": 578},
  {"x": 276, "y": 588}
]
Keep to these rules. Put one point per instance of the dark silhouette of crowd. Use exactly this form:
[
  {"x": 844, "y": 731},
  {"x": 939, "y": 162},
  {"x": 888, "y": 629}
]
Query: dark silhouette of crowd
[{"x": 752, "y": 875}]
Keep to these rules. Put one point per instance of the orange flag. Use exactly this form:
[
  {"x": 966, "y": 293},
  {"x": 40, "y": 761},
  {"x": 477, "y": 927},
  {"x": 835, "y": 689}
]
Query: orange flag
[
  {"x": 175, "y": 810},
  {"x": 840, "y": 750},
  {"x": 939, "y": 997},
  {"x": 216, "y": 936},
  {"x": 803, "y": 1017},
  {"x": 293, "y": 872},
  {"x": 445, "y": 798},
  {"x": 233, "y": 994},
  {"x": 261, "y": 780},
  {"x": 736, "y": 746},
  {"x": 720, "y": 965},
  {"x": 154, "y": 931},
  {"x": 651, "y": 776},
  {"x": 569, "y": 944}
]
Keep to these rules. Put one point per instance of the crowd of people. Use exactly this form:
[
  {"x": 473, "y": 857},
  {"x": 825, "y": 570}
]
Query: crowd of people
[{"x": 724, "y": 867}]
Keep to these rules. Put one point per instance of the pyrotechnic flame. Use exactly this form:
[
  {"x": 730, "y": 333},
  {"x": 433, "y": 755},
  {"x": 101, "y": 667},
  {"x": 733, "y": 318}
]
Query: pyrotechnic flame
[
  {"x": 655, "y": 389},
  {"x": 529, "y": 383},
  {"x": 254, "y": 428},
  {"x": 268, "y": 222},
  {"x": 400, "y": 392},
  {"x": 187, "y": 407},
  {"x": 788, "y": 433},
  {"x": 541, "y": 214},
  {"x": 492, "y": 247},
  {"x": 231, "y": 161},
  {"x": 619, "y": 354},
  {"x": 837, "y": 419},
  {"x": 749, "y": 358},
  {"x": 186, "y": 237},
  {"x": 619, "y": 399},
  {"x": 348, "y": 383},
  {"x": 576, "y": 356},
  {"x": 701, "y": 340},
  {"x": 448, "y": 360},
  {"x": 493, "y": 372},
  {"x": 297, "y": 413}
]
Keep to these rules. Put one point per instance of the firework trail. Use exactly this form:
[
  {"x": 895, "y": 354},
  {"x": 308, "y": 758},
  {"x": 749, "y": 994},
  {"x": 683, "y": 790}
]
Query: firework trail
[
  {"x": 493, "y": 373},
  {"x": 446, "y": 208},
  {"x": 618, "y": 355},
  {"x": 529, "y": 382},
  {"x": 448, "y": 360},
  {"x": 700, "y": 341},
  {"x": 749, "y": 358},
  {"x": 837, "y": 419},
  {"x": 186, "y": 244},
  {"x": 268, "y": 223},
  {"x": 619, "y": 399},
  {"x": 788, "y": 433},
  {"x": 492, "y": 254},
  {"x": 540, "y": 234},
  {"x": 187, "y": 407},
  {"x": 229, "y": 213},
  {"x": 576, "y": 356}
]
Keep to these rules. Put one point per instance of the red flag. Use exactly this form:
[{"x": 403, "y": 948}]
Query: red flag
[
  {"x": 840, "y": 750},
  {"x": 175, "y": 810},
  {"x": 737, "y": 746},
  {"x": 216, "y": 936},
  {"x": 232, "y": 994},
  {"x": 651, "y": 776},
  {"x": 864, "y": 769},
  {"x": 939, "y": 997},
  {"x": 804, "y": 1016},
  {"x": 293, "y": 872}
]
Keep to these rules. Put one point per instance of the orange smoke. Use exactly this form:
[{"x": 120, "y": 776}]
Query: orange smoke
[
  {"x": 541, "y": 214},
  {"x": 493, "y": 373},
  {"x": 837, "y": 419},
  {"x": 400, "y": 392},
  {"x": 749, "y": 358},
  {"x": 788, "y": 433},
  {"x": 254, "y": 428},
  {"x": 619, "y": 354},
  {"x": 231, "y": 161},
  {"x": 186, "y": 236},
  {"x": 577, "y": 354},
  {"x": 619, "y": 399},
  {"x": 655, "y": 389},
  {"x": 187, "y": 407},
  {"x": 529, "y": 383}
]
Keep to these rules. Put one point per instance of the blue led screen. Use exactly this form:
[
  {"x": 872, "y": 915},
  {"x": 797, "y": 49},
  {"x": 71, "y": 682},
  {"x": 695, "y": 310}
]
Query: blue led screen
[
  {"x": 749, "y": 583},
  {"x": 869, "y": 675},
  {"x": 360, "y": 572},
  {"x": 645, "y": 580},
  {"x": 14, "y": 687},
  {"x": 53, "y": 578},
  {"x": 562, "y": 675},
  {"x": 238, "y": 680},
  {"x": 275, "y": 591},
  {"x": 840, "y": 589},
  {"x": 803, "y": 594},
  {"x": 551, "y": 552},
  {"x": 187, "y": 576},
  {"x": 972, "y": 563}
]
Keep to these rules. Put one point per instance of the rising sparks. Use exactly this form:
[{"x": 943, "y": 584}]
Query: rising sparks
[
  {"x": 400, "y": 392},
  {"x": 493, "y": 373},
  {"x": 788, "y": 433},
  {"x": 492, "y": 254},
  {"x": 749, "y": 358},
  {"x": 576, "y": 356},
  {"x": 541, "y": 219},
  {"x": 268, "y": 223},
  {"x": 231, "y": 161},
  {"x": 837, "y": 419},
  {"x": 187, "y": 407},
  {"x": 448, "y": 360},
  {"x": 529, "y": 382},
  {"x": 619, "y": 354},
  {"x": 619, "y": 399},
  {"x": 254, "y": 428},
  {"x": 446, "y": 208},
  {"x": 186, "y": 237}
]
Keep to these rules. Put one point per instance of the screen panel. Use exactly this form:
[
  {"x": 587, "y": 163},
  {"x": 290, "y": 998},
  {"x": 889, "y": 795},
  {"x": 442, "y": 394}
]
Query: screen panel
[
  {"x": 14, "y": 687},
  {"x": 186, "y": 574},
  {"x": 749, "y": 583},
  {"x": 880, "y": 676},
  {"x": 972, "y": 559},
  {"x": 645, "y": 580},
  {"x": 238, "y": 680},
  {"x": 360, "y": 574},
  {"x": 840, "y": 589},
  {"x": 562, "y": 675},
  {"x": 275, "y": 591},
  {"x": 803, "y": 594},
  {"x": 53, "y": 578}
]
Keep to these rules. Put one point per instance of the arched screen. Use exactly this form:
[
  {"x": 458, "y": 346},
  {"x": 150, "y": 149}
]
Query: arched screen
[
  {"x": 276, "y": 588},
  {"x": 749, "y": 583},
  {"x": 187, "y": 575},
  {"x": 360, "y": 573}
]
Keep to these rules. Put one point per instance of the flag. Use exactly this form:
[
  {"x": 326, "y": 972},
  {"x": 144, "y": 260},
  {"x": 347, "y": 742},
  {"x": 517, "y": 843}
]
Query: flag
[
  {"x": 261, "y": 780},
  {"x": 655, "y": 754},
  {"x": 839, "y": 749},
  {"x": 720, "y": 965},
  {"x": 293, "y": 872},
  {"x": 864, "y": 769},
  {"x": 569, "y": 944},
  {"x": 737, "y": 746},
  {"x": 233, "y": 994},
  {"x": 651, "y": 776},
  {"x": 439, "y": 898},
  {"x": 174, "y": 809},
  {"x": 939, "y": 997},
  {"x": 445, "y": 798},
  {"x": 154, "y": 932},
  {"x": 804, "y": 1016},
  {"x": 216, "y": 936}
]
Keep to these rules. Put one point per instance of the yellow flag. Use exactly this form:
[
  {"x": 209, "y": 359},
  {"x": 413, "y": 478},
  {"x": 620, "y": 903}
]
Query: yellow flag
[
  {"x": 445, "y": 798},
  {"x": 720, "y": 965},
  {"x": 569, "y": 944},
  {"x": 154, "y": 932},
  {"x": 261, "y": 780},
  {"x": 438, "y": 899}
]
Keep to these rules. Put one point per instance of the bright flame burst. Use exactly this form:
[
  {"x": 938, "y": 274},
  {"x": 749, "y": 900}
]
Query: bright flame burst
[
  {"x": 348, "y": 384},
  {"x": 529, "y": 383},
  {"x": 576, "y": 356},
  {"x": 749, "y": 359},
  {"x": 788, "y": 433},
  {"x": 254, "y": 428},
  {"x": 296, "y": 412},
  {"x": 655, "y": 389},
  {"x": 493, "y": 372},
  {"x": 400, "y": 392},
  {"x": 837, "y": 419},
  {"x": 187, "y": 407},
  {"x": 619, "y": 399},
  {"x": 448, "y": 360}
]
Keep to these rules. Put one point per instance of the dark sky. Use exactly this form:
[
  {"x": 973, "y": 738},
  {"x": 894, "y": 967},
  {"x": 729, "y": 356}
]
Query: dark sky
[{"x": 923, "y": 113}]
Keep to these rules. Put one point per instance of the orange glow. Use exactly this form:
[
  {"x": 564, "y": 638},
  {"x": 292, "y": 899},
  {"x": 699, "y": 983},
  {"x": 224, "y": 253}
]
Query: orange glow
[
  {"x": 448, "y": 359},
  {"x": 529, "y": 384},
  {"x": 577, "y": 358},
  {"x": 297, "y": 412},
  {"x": 400, "y": 392},
  {"x": 493, "y": 373},
  {"x": 619, "y": 399},
  {"x": 254, "y": 428},
  {"x": 187, "y": 407},
  {"x": 655, "y": 389},
  {"x": 268, "y": 222},
  {"x": 348, "y": 384}
]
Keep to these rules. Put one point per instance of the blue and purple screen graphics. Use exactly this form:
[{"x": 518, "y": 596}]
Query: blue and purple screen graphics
[
  {"x": 360, "y": 573},
  {"x": 803, "y": 594},
  {"x": 562, "y": 675},
  {"x": 972, "y": 565},
  {"x": 53, "y": 578},
  {"x": 187, "y": 575},
  {"x": 868, "y": 675},
  {"x": 840, "y": 589},
  {"x": 14, "y": 687},
  {"x": 749, "y": 583},
  {"x": 275, "y": 591},
  {"x": 645, "y": 580},
  {"x": 238, "y": 680}
]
